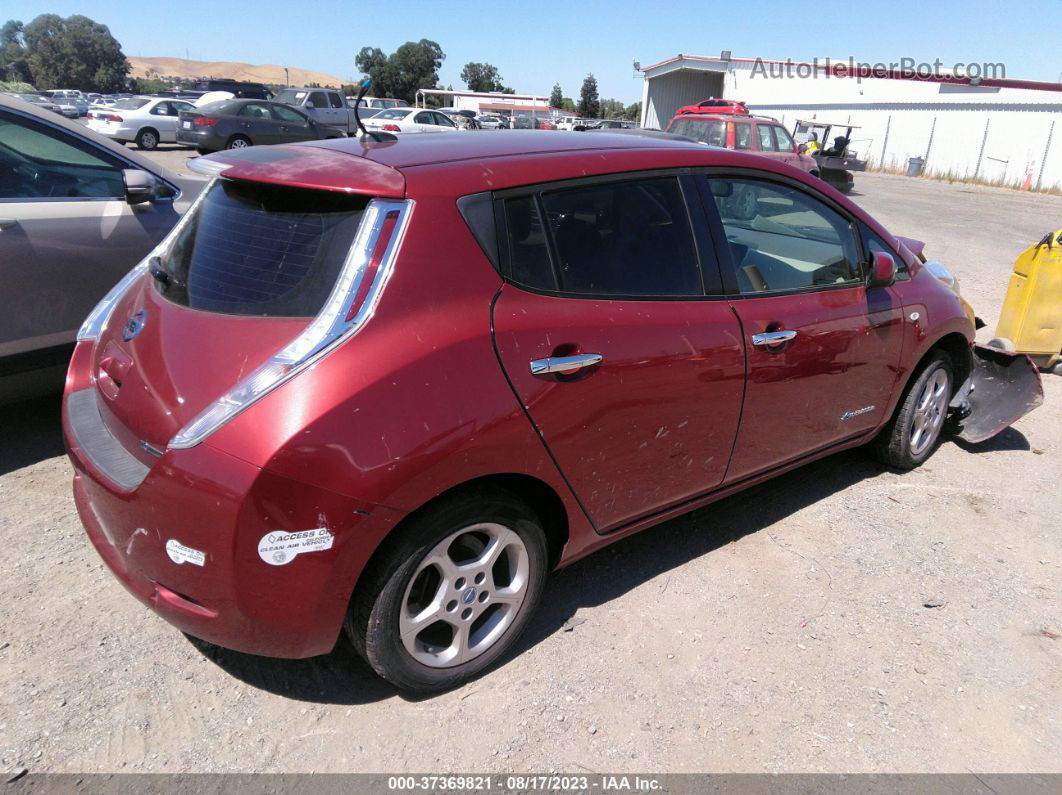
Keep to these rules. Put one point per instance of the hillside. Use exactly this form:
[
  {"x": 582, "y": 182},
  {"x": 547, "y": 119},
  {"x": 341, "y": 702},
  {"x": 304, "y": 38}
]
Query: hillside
[{"x": 265, "y": 73}]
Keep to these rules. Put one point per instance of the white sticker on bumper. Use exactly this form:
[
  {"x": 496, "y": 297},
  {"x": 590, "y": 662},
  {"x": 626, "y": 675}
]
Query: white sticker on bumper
[
  {"x": 179, "y": 553},
  {"x": 278, "y": 549}
]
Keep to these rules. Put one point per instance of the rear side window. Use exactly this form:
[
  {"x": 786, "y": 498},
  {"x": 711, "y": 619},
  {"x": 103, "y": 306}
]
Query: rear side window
[
  {"x": 766, "y": 141},
  {"x": 708, "y": 132},
  {"x": 261, "y": 250},
  {"x": 624, "y": 238},
  {"x": 742, "y": 135}
]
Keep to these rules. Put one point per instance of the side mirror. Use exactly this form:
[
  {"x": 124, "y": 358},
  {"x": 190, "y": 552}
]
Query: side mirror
[
  {"x": 140, "y": 186},
  {"x": 309, "y": 106},
  {"x": 801, "y": 148},
  {"x": 883, "y": 270}
]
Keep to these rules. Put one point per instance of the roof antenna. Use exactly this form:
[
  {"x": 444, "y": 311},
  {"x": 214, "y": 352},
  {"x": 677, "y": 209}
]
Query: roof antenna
[{"x": 376, "y": 136}]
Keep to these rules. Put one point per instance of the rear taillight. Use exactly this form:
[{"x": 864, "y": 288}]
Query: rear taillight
[
  {"x": 96, "y": 322},
  {"x": 391, "y": 128},
  {"x": 107, "y": 117},
  {"x": 349, "y": 306},
  {"x": 205, "y": 121}
]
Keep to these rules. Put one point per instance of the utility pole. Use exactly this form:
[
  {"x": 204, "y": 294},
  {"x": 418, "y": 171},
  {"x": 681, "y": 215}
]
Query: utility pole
[{"x": 287, "y": 83}]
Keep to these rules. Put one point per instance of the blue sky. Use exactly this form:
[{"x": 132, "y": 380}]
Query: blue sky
[{"x": 535, "y": 44}]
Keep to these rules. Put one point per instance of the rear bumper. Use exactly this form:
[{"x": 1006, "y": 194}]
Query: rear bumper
[{"x": 194, "y": 541}]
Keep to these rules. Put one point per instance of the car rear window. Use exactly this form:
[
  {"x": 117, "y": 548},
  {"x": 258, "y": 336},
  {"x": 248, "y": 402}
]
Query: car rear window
[
  {"x": 394, "y": 113},
  {"x": 131, "y": 104},
  {"x": 707, "y": 131},
  {"x": 261, "y": 250}
]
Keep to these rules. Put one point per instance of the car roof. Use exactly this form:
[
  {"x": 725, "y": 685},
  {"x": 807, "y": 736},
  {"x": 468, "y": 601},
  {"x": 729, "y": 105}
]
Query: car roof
[
  {"x": 724, "y": 117},
  {"x": 438, "y": 148}
]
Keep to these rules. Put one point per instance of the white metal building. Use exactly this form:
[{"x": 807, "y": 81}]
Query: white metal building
[
  {"x": 489, "y": 102},
  {"x": 995, "y": 129}
]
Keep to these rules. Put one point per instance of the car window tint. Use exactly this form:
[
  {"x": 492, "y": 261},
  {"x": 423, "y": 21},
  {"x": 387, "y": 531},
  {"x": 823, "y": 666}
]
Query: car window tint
[
  {"x": 626, "y": 238},
  {"x": 763, "y": 132},
  {"x": 528, "y": 255},
  {"x": 742, "y": 135},
  {"x": 783, "y": 239},
  {"x": 782, "y": 139},
  {"x": 335, "y": 101},
  {"x": 712, "y": 133},
  {"x": 443, "y": 120},
  {"x": 319, "y": 99},
  {"x": 424, "y": 117},
  {"x": 256, "y": 110},
  {"x": 38, "y": 162},
  {"x": 393, "y": 113},
  {"x": 284, "y": 113}
]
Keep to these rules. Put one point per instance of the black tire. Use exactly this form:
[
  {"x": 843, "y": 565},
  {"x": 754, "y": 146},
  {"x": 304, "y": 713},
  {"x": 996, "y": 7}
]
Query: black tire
[
  {"x": 372, "y": 622},
  {"x": 846, "y": 187},
  {"x": 201, "y": 151},
  {"x": 147, "y": 139},
  {"x": 893, "y": 446},
  {"x": 238, "y": 142}
]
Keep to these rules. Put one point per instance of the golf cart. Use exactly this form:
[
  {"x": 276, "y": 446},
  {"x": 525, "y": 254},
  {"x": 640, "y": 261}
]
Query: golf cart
[{"x": 836, "y": 162}]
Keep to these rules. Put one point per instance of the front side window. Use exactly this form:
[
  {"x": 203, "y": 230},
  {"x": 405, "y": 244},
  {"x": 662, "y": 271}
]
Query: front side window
[
  {"x": 319, "y": 100},
  {"x": 783, "y": 239},
  {"x": 262, "y": 250},
  {"x": 783, "y": 141},
  {"x": 335, "y": 101},
  {"x": 443, "y": 120},
  {"x": 623, "y": 238},
  {"x": 39, "y": 162},
  {"x": 284, "y": 113},
  {"x": 873, "y": 244}
]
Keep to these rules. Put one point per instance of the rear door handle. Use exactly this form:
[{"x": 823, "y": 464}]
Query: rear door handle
[
  {"x": 8, "y": 223},
  {"x": 564, "y": 364},
  {"x": 772, "y": 338}
]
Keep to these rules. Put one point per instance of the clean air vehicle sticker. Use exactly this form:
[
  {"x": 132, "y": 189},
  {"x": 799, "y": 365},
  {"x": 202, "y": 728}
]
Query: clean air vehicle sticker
[
  {"x": 179, "y": 553},
  {"x": 278, "y": 549}
]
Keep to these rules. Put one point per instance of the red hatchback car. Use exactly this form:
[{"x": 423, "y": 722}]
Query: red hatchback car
[{"x": 388, "y": 386}]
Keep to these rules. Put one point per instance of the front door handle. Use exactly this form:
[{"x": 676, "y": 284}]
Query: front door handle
[
  {"x": 769, "y": 338},
  {"x": 564, "y": 364},
  {"x": 8, "y": 223}
]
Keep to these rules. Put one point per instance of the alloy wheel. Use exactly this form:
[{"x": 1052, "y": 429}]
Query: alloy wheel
[
  {"x": 930, "y": 411},
  {"x": 464, "y": 595}
]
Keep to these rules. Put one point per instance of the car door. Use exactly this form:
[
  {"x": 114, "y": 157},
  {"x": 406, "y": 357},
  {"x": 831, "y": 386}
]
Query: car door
[
  {"x": 823, "y": 349},
  {"x": 164, "y": 118},
  {"x": 294, "y": 126},
  {"x": 765, "y": 143},
  {"x": 443, "y": 122},
  {"x": 783, "y": 143},
  {"x": 322, "y": 109},
  {"x": 424, "y": 122},
  {"x": 630, "y": 367},
  {"x": 66, "y": 232},
  {"x": 256, "y": 121}
]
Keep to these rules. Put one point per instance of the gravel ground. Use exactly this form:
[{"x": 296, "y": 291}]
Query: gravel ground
[{"x": 788, "y": 628}]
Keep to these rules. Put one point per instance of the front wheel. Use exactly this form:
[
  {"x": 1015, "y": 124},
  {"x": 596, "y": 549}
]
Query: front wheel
[
  {"x": 453, "y": 593},
  {"x": 912, "y": 434},
  {"x": 147, "y": 140}
]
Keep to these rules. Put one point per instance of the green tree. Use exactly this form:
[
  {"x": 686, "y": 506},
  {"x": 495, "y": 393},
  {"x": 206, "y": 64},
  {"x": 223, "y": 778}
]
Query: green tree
[
  {"x": 13, "y": 64},
  {"x": 149, "y": 85},
  {"x": 413, "y": 65},
  {"x": 482, "y": 77},
  {"x": 611, "y": 109},
  {"x": 589, "y": 104},
  {"x": 568, "y": 104},
  {"x": 556, "y": 97},
  {"x": 634, "y": 111},
  {"x": 75, "y": 52}
]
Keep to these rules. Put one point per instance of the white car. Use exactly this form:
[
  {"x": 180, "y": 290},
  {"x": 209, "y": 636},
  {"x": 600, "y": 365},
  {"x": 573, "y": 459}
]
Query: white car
[
  {"x": 410, "y": 120},
  {"x": 145, "y": 121},
  {"x": 490, "y": 122}
]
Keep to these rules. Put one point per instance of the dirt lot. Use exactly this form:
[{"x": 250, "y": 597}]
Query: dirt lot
[{"x": 785, "y": 629}]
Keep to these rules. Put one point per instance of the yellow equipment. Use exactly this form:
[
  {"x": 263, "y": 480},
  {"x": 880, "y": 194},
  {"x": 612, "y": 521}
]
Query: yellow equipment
[{"x": 1031, "y": 319}]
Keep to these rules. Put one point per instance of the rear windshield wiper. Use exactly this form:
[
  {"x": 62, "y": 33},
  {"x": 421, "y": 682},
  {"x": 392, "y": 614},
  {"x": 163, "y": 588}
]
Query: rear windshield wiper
[{"x": 160, "y": 274}]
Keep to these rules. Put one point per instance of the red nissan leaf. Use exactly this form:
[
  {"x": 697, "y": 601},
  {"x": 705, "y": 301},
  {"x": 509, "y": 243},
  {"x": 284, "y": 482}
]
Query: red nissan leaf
[{"x": 385, "y": 387}]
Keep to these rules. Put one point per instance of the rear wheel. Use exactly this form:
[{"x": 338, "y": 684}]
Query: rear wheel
[
  {"x": 912, "y": 434},
  {"x": 238, "y": 142},
  {"x": 201, "y": 151},
  {"x": 147, "y": 139},
  {"x": 453, "y": 593}
]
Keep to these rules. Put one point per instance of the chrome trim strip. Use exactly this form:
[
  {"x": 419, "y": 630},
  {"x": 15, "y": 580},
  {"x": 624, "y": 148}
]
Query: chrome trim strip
[{"x": 564, "y": 364}]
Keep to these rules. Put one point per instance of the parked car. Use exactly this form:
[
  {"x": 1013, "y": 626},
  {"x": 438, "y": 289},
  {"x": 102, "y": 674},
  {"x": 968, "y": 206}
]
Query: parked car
[
  {"x": 259, "y": 427},
  {"x": 411, "y": 120},
  {"x": 325, "y": 105},
  {"x": 761, "y": 135},
  {"x": 491, "y": 122},
  {"x": 76, "y": 212},
  {"x": 611, "y": 124},
  {"x": 39, "y": 101},
  {"x": 464, "y": 119},
  {"x": 380, "y": 103},
  {"x": 145, "y": 121},
  {"x": 715, "y": 105},
  {"x": 102, "y": 102},
  {"x": 239, "y": 123},
  {"x": 68, "y": 99},
  {"x": 238, "y": 88}
]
